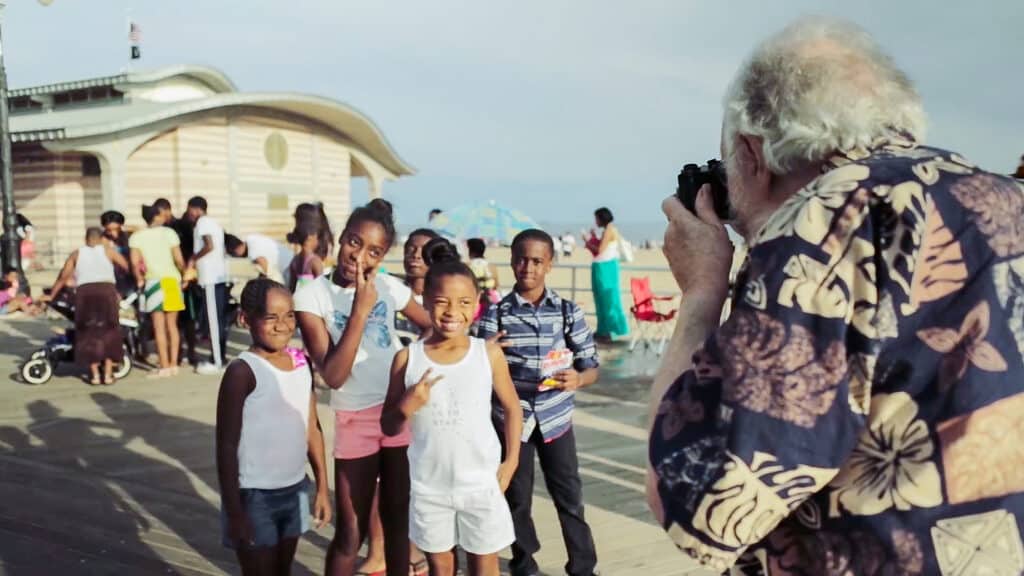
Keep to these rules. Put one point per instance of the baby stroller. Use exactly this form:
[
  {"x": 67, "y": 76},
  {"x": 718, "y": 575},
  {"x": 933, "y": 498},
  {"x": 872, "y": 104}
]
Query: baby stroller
[{"x": 41, "y": 364}]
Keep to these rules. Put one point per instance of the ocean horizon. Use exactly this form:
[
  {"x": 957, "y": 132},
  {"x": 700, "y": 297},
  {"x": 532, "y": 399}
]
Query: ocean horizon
[{"x": 635, "y": 232}]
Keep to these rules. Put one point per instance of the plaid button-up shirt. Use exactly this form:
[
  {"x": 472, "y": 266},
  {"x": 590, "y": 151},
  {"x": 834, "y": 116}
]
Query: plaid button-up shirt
[{"x": 533, "y": 332}]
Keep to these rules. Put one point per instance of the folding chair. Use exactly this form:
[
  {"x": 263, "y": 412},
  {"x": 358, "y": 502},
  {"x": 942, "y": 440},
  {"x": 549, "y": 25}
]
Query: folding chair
[{"x": 649, "y": 324}]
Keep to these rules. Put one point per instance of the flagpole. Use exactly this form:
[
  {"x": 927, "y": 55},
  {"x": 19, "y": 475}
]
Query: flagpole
[
  {"x": 12, "y": 242},
  {"x": 128, "y": 33}
]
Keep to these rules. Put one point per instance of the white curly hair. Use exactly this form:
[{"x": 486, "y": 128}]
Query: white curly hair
[{"x": 818, "y": 86}]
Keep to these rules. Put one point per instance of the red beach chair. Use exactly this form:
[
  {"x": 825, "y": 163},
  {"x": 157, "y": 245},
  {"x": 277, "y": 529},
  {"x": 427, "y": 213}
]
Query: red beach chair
[{"x": 651, "y": 326}]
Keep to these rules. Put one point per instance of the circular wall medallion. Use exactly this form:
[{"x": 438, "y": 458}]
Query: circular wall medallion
[{"x": 275, "y": 149}]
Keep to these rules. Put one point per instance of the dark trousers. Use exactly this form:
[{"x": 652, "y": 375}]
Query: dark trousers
[
  {"x": 214, "y": 320},
  {"x": 559, "y": 465}
]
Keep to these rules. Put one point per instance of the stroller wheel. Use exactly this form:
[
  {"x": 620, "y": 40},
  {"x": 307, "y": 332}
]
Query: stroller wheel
[
  {"x": 125, "y": 366},
  {"x": 37, "y": 371}
]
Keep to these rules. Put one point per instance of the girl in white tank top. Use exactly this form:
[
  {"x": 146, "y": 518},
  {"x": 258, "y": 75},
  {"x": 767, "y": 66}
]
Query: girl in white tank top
[
  {"x": 267, "y": 427},
  {"x": 442, "y": 388}
]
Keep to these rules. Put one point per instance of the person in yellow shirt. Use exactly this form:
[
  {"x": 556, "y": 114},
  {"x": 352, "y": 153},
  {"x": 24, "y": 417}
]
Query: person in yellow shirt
[{"x": 158, "y": 265}]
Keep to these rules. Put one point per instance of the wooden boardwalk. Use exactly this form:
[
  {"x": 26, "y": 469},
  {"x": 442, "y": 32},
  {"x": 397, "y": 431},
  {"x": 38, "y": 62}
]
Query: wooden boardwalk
[{"x": 121, "y": 479}]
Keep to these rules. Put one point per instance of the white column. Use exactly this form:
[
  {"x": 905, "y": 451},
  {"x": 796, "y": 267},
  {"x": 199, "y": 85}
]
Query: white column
[
  {"x": 376, "y": 186},
  {"x": 234, "y": 202},
  {"x": 112, "y": 170}
]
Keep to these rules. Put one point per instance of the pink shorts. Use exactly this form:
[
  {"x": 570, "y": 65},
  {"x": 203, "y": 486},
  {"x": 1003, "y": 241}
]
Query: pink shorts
[{"x": 357, "y": 434}]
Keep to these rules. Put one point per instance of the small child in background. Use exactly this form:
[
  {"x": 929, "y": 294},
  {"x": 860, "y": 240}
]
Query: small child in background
[
  {"x": 267, "y": 427},
  {"x": 551, "y": 354},
  {"x": 443, "y": 386},
  {"x": 486, "y": 275},
  {"x": 307, "y": 263}
]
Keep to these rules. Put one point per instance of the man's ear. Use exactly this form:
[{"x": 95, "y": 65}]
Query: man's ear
[
  {"x": 753, "y": 163},
  {"x": 751, "y": 149},
  {"x": 243, "y": 321}
]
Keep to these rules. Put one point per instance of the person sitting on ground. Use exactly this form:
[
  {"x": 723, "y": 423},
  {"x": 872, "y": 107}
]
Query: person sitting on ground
[
  {"x": 11, "y": 300},
  {"x": 843, "y": 419},
  {"x": 271, "y": 258},
  {"x": 97, "y": 304}
]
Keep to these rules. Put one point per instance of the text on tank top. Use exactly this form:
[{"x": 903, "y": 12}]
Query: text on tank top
[
  {"x": 454, "y": 445},
  {"x": 275, "y": 419},
  {"x": 93, "y": 266}
]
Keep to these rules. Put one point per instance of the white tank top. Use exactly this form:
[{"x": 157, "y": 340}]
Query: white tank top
[
  {"x": 93, "y": 266},
  {"x": 454, "y": 445},
  {"x": 275, "y": 419},
  {"x": 611, "y": 251}
]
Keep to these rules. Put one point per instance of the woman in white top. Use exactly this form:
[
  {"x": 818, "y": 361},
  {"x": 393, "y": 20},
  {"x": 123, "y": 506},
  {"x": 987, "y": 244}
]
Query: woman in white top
[
  {"x": 97, "y": 304},
  {"x": 443, "y": 386},
  {"x": 604, "y": 278}
]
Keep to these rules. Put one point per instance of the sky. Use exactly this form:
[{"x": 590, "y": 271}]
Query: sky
[{"x": 555, "y": 107}]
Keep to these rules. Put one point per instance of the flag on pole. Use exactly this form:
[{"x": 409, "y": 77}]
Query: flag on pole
[{"x": 134, "y": 36}]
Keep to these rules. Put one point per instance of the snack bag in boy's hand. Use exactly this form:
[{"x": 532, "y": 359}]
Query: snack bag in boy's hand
[{"x": 556, "y": 361}]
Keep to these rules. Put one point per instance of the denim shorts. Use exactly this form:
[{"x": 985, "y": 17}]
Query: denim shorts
[{"x": 275, "y": 515}]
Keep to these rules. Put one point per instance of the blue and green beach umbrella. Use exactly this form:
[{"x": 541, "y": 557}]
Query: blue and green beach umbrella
[{"x": 487, "y": 220}]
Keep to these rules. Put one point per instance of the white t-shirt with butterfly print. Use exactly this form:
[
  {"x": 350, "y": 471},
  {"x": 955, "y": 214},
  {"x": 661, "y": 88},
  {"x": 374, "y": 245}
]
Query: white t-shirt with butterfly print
[{"x": 367, "y": 384}]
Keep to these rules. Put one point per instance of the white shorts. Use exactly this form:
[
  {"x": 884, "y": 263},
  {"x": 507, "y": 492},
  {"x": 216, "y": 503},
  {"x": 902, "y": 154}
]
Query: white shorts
[{"x": 479, "y": 521}]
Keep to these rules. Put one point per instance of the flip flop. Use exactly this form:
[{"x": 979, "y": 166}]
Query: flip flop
[{"x": 421, "y": 568}]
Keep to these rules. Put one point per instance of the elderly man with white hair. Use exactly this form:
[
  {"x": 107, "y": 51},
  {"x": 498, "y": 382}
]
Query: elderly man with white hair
[{"x": 861, "y": 409}]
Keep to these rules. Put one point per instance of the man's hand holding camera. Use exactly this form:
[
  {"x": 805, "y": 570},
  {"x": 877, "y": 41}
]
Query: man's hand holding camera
[{"x": 699, "y": 252}]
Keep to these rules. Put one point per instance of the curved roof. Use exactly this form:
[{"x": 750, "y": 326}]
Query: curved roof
[
  {"x": 215, "y": 79},
  {"x": 89, "y": 122}
]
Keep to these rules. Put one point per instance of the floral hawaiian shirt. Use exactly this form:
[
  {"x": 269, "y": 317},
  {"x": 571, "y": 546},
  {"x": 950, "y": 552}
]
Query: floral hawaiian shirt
[{"x": 861, "y": 411}]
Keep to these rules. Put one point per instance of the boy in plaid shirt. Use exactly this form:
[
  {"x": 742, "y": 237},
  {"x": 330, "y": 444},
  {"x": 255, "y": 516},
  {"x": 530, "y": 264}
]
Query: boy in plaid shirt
[{"x": 551, "y": 354}]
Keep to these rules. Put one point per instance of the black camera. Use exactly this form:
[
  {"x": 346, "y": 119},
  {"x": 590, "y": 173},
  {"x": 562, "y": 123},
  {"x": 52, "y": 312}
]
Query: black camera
[{"x": 692, "y": 177}]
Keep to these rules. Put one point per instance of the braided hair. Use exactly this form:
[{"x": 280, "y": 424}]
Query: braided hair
[
  {"x": 254, "y": 296},
  {"x": 443, "y": 259}
]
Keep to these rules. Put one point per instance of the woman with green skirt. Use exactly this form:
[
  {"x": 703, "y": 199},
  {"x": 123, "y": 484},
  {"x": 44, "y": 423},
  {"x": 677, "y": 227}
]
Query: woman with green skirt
[{"x": 604, "y": 278}]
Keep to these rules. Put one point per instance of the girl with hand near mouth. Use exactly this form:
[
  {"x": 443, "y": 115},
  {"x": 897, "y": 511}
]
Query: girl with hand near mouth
[{"x": 348, "y": 327}]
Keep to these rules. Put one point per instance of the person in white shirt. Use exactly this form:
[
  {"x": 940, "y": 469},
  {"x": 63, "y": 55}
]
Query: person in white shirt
[
  {"x": 270, "y": 257},
  {"x": 210, "y": 266},
  {"x": 568, "y": 244},
  {"x": 348, "y": 326}
]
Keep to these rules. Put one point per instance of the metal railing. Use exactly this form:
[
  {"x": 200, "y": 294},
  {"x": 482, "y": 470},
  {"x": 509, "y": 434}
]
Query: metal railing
[{"x": 574, "y": 289}]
